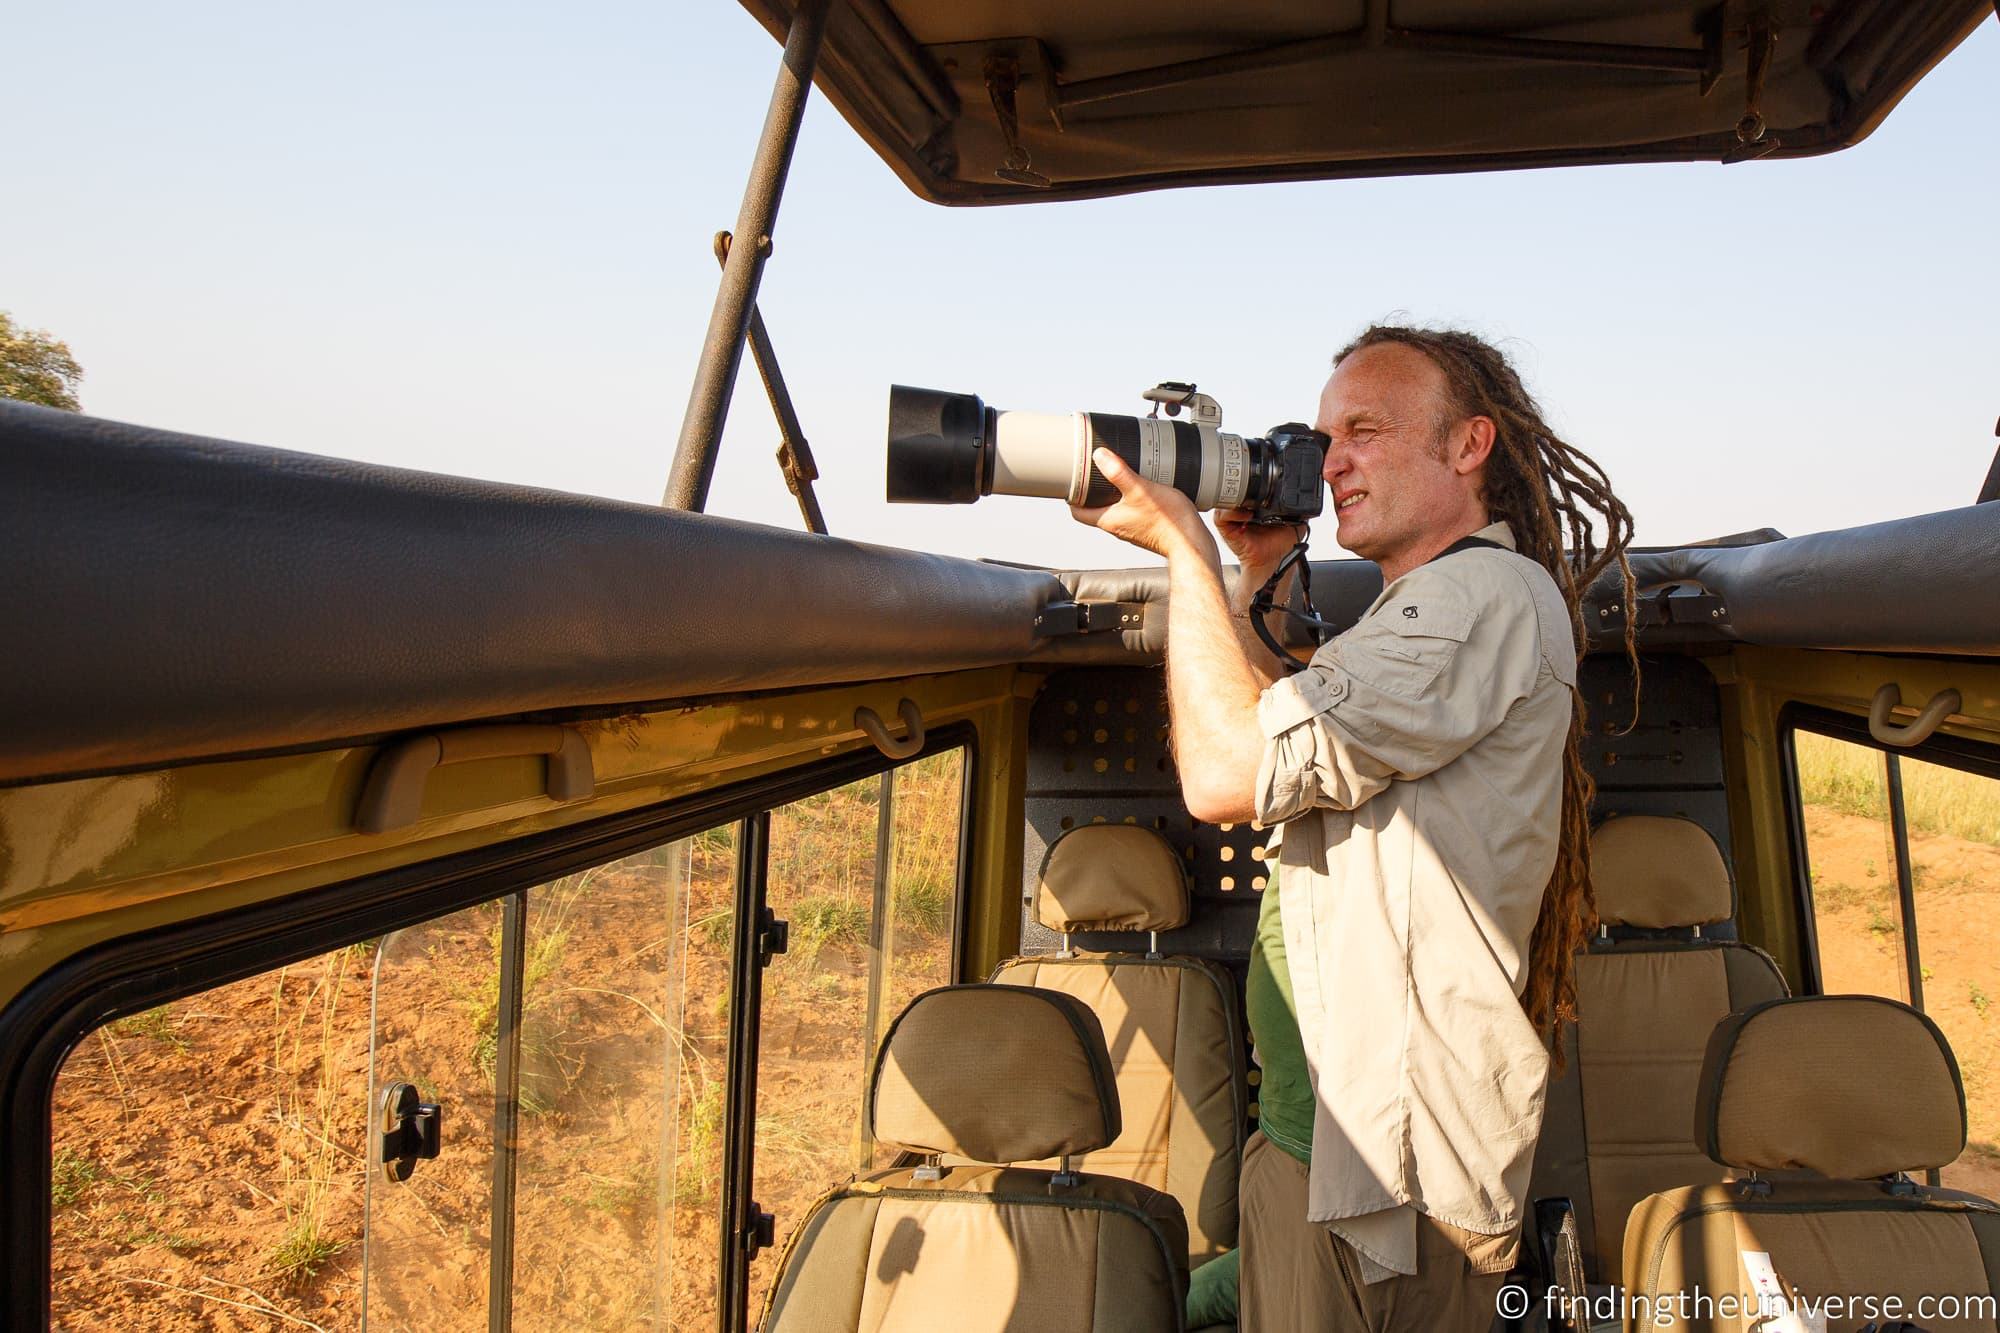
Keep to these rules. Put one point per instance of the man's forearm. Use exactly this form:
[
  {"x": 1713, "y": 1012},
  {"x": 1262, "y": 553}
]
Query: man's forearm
[
  {"x": 1212, "y": 690},
  {"x": 1263, "y": 662}
]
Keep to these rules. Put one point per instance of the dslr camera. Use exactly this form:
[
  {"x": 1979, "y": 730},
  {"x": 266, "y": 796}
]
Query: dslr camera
[{"x": 950, "y": 448}]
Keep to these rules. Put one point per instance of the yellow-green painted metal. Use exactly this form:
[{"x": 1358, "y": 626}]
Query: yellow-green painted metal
[
  {"x": 1756, "y": 684},
  {"x": 95, "y": 859}
]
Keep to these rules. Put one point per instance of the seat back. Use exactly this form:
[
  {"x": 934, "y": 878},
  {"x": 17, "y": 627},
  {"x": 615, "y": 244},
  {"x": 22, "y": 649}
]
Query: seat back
[
  {"x": 991, "y": 1075},
  {"x": 1650, "y": 988},
  {"x": 1844, "y": 1093},
  {"x": 1173, "y": 1025}
]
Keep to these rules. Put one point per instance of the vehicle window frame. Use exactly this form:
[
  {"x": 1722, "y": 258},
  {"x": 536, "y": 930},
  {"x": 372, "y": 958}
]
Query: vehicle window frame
[
  {"x": 131, "y": 974},
  {"x": 1951, "y": 752}
]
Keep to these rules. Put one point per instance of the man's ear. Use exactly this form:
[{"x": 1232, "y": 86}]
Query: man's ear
[{"x": 1474, "y": 446}]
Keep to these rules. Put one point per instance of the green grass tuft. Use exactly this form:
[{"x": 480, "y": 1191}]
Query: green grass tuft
[{"x": 303, "y": 1250}]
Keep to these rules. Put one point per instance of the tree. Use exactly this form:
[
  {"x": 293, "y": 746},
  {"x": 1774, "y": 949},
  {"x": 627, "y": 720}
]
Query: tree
[{"x": 35, "y": 368}]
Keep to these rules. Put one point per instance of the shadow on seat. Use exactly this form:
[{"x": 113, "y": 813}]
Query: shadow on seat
[
  {"x": 1650, "y": 988},
  {"x": 993, "y": 1074},
  {"x": 1173, "y": 1025}
]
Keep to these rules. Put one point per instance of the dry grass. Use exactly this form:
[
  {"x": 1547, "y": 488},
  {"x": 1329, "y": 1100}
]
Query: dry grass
[
  {"x": 1851, "y": 779},
  {"x": 823, "y": 848},
  {"x": 312, "y": 1102}
]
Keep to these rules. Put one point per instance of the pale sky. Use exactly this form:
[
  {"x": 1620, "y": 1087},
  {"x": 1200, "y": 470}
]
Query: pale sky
[{"x": 475, "y": 239}]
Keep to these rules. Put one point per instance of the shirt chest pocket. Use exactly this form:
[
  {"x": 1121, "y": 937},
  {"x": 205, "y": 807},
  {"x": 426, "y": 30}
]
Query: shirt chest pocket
[{"x": 1404, "y": 647}]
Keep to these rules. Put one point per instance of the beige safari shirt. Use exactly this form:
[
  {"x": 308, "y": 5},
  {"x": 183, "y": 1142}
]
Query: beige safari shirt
[{"x": 1416, "y": 770}]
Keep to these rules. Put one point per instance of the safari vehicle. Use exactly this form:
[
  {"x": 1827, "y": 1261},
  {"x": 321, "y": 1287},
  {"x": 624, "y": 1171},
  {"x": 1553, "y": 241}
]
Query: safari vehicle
[{"x": 548, "y": 880}]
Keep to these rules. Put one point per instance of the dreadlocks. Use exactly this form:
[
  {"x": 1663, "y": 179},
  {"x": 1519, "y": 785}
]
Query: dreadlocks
[{"x": 1548, "y": 493}]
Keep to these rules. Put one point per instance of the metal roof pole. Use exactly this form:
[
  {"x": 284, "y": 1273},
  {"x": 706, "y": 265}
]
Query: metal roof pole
[{"x": 735, "y": 299}]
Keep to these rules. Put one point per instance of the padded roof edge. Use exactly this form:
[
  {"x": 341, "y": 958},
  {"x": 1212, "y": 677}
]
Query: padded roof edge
[
  {"x": 1909, "y": 585},
  {"x": 1129, "y": 95},
  {"x": 174, "y": 598}
]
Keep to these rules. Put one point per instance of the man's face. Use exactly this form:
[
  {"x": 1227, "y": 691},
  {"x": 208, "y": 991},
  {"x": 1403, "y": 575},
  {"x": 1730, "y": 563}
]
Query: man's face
[{"x": 1386, "y": 470}]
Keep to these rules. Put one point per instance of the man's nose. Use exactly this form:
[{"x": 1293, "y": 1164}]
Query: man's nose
[{"x": 1337, "y": 463}]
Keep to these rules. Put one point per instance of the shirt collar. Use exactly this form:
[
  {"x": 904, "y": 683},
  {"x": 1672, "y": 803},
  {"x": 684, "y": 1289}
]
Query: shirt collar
[{"x": 1498, "y": 533}]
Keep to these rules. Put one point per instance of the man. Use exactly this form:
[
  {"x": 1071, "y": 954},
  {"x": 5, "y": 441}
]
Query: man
[{"x": 1413, "y": 964}]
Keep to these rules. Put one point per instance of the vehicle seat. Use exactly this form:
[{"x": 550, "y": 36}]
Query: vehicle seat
[
  {"x": 1174, "y": 1025},
  {"x": 1859, "y": 1090},
  {"x": 1650, "y": 988},
  {"x": 993, "y": 1074}
]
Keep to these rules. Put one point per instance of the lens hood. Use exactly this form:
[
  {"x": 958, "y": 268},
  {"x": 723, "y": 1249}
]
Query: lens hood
[{"x": 937, "y": 444}]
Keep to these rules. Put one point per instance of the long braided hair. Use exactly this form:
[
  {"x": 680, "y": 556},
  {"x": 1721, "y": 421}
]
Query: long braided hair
[{"x": 1553, "y": 497}]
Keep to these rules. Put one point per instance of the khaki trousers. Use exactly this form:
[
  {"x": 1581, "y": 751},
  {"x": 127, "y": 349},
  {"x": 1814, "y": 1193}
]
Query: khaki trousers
[{"x": 1298, "y": 1277}]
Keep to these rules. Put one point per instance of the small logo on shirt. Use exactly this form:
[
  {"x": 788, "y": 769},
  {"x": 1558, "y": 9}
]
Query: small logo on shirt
[{"x": 1409, "y": 613}]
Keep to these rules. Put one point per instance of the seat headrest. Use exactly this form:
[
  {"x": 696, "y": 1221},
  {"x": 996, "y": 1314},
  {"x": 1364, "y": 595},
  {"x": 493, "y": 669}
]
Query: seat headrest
[
  {"x": 996, "y": 1074},
  {"x": 1657, "y": 871},
  {"x": 1850, "y": 1086},
  {"x": 1112, "y": 877}
]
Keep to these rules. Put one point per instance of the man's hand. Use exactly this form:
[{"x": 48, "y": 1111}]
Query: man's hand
[
  {"x": 1258, "y": 547},
  {"x": 1158, "y": 518}
]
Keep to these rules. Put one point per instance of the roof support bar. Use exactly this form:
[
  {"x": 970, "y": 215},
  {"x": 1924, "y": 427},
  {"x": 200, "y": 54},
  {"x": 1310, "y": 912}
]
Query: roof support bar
[
  {"x": 795, "y": 457},
  {"x": 916, "y": 63},
  {"x": 1375, "y": 32},
  {"x": 736, "y": 298}
]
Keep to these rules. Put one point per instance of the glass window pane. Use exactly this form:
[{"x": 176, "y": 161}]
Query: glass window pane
[
  {"x": 1954, "y": 820},
  {"x": 595, "y": 1065},
  {"x": 866, "y": 936},
  {"x": 208, "y": 1155},
  {"x": 928, "y": 797},
  {"x": 211, "y": 1155},
  {"x": 1851, "y": 860},
  {"x": 600, "y": 1057},
  {"x": 706, "y": 935},
  {"x": 436, "y": 992}
]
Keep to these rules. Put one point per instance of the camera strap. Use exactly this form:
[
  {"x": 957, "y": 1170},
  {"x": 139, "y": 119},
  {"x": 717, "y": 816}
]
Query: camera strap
[{"x": 1266, "y": 600}]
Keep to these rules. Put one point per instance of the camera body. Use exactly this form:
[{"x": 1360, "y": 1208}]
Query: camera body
[
  {"x": 1297, "y": 491},
  {"x": 950, "y": 448}
]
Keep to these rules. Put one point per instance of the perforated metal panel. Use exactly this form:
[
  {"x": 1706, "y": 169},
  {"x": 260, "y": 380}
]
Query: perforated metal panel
[
  {"x": 1670, "y": 763},
  {"x": 1098, "y": 752}
]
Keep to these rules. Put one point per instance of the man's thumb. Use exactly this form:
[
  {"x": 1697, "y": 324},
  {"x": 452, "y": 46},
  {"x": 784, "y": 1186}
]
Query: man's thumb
[{"x": 1112, "y": 466}]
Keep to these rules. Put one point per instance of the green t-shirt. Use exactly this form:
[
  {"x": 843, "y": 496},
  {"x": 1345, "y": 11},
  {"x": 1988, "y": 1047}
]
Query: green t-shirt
[{"x": 1284, "y": 1092}]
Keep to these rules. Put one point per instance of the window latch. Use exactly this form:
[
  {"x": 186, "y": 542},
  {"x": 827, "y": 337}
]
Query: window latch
[
  {"x": 411, "y": 1130},
  {"x": 760, "y": 1230},
  {"x": 773, "y": 937}
]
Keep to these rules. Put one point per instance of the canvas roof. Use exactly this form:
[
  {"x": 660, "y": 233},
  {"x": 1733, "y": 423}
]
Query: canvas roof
[{"x": 1116, "y": 96}]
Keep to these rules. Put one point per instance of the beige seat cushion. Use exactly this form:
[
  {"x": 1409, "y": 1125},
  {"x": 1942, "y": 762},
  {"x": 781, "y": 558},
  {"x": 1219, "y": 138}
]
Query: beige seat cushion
[
  {"x": 1823, "y": 1238},
  {"x": 1619, "y": 1119},
  {"x": 985, "y": 1250},
  {"x": 1177, "y": 1054}
]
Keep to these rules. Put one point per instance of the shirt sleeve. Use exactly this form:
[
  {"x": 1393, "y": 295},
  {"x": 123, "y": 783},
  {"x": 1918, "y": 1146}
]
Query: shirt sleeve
[{"x": 1415, "y": 684}]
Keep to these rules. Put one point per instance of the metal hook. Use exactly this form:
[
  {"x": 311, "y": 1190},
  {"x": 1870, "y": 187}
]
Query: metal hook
[
  {"x": 1942, "y": 704},
  {"x": 870, "y": 722},
  {"x": 1003, "y": 78},
  {"x": 1753, "y": 139}
]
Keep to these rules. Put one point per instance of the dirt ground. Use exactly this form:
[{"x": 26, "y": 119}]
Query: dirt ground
[
  {"x": 210, "y": 1155},
  {"x": 1957, "y": 887}
]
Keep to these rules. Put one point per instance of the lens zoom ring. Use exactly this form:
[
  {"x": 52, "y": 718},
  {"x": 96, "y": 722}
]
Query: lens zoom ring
[
  {"x": 1187, "y": 459},
  {"x": 1119, "y": 434}
]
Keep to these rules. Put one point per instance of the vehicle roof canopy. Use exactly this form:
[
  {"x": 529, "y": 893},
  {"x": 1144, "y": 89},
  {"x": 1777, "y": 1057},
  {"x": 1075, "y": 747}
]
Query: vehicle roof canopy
[{"x": 1118, "y": 96}]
